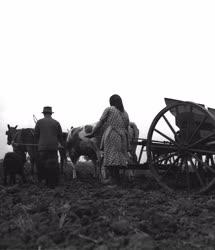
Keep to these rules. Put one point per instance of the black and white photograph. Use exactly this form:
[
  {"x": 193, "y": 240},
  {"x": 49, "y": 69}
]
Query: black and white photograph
[{"x": 107, "y": 125}]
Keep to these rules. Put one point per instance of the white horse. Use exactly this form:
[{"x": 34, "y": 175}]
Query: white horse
[{"x": 78, "y": 144}]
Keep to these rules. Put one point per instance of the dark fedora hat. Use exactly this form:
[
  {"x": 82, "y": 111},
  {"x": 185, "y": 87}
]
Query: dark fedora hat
[{"x": 47, "y": 110}]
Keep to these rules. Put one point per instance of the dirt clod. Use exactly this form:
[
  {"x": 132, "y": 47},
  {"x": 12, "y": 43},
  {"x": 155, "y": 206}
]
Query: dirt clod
[{"x": 85, "y": 214}]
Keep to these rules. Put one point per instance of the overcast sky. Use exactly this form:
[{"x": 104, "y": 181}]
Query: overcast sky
[{"x": 73, "y": 55}]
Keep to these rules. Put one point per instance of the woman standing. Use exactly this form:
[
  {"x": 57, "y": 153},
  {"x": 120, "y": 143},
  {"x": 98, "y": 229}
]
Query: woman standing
[{"x": 115, "y": 143}]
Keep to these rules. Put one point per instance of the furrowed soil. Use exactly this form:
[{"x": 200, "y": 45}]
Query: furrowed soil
[{"x": 84, "y": 214}]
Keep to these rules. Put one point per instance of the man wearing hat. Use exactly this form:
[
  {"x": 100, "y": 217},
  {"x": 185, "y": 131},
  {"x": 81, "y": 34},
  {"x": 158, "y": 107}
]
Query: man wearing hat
[{"x": 48, "y": 135}]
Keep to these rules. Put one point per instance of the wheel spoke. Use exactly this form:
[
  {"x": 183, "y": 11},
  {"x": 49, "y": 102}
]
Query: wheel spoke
[
  {"x": 197, "y": 129},
  {"x": 170, "y": 126},
  {"x": 202, "y": 151},
  {"x": 178, "y": 168},
  {"x": 197, "y": 172},
  {"x": 163, "y": 159},
  {"x": 203, "y": 163},
  {"x": 188, "y": 124},
  {"x": 165, "y": 136},
  {"x": 171, "y": 166},
  {"x": 176, "y": 160},
  {"x": 201, "y": 140}
]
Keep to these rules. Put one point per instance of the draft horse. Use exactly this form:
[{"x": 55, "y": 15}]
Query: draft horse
[
  {"x": 23, "y": 142},
  {"x": 78, "y": 144}
]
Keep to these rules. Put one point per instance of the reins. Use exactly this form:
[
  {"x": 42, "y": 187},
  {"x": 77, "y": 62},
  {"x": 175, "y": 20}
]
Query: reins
[
  {"x": 24, "y": 144},
  {"x": 35, "y": 119}
]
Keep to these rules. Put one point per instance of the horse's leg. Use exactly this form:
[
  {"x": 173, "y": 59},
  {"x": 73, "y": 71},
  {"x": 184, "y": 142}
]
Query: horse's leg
[
  {"x": 123, "y": 174},
  {"x": 5, "y": 177},
  {"x": 31, "y": 154},
  {"x": 73, "y": 163},
  {"x": 65, "y": 157},
  {"x": 127, "y": 174},
  {"x": 32, "y": 165},
  {"x": 12, "y": 179},
  {"x": 96, "y": 169},
  {"x": 31, "y": 158},
  {"x": 103, "y": 173},
  {"x": 61, "y": 163},
  {"x": 130, "y": 174},
  {"x": 99, "y": 169},
  {"x": 23, "y": 178},
  {"x": 22, "y": 174},
  {"x": 61, "y": 160},
  {"x": 103, "y": 170},
  {"x": 74, "y": 174}
]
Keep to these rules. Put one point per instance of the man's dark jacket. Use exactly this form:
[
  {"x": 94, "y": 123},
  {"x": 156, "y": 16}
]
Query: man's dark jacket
[{"x": 48, "y": 133}]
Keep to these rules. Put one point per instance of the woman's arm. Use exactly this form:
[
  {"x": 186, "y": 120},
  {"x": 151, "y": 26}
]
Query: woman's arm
[{"x": 102, "y": 120}]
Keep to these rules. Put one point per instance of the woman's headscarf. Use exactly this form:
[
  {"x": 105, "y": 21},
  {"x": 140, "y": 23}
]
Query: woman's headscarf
[{"x": 116, "y": 101}]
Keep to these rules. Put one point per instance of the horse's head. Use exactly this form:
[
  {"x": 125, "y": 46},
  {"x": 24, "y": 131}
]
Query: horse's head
[
  {"x": 64, "y": 135},
  {"x": 69, "y": 134},
  {"x": 11, "y": 132}
]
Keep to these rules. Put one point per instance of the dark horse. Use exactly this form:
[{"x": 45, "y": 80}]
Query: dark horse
[{"x": 22, "y": 141}]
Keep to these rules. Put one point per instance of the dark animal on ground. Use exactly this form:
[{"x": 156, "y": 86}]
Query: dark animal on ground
[{"x": 13, "y": 164}]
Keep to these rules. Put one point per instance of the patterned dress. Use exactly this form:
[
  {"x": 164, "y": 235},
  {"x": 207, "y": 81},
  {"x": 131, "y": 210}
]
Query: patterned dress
[{"x": 115, "y": 137}]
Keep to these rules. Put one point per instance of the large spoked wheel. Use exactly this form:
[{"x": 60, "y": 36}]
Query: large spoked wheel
[{"x": 181, "y": 148}]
